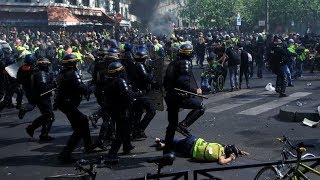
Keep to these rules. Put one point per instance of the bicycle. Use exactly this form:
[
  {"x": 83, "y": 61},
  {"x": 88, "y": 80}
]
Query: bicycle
[{"x": 289, "y": 171}]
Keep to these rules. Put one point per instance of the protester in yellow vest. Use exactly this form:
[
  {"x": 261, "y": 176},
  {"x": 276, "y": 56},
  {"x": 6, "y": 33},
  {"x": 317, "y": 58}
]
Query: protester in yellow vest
[{"x": 200, "y": 150}]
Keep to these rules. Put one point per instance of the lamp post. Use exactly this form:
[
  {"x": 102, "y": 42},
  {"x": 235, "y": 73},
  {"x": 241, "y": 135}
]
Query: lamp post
[{"x": 267, "y": 16}]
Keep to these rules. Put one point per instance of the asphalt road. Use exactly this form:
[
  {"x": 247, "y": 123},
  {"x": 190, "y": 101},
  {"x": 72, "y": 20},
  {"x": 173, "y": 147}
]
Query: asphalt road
[{"x": 246, "y": 118}]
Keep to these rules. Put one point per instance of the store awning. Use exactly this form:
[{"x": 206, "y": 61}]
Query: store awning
[
  {"x": 24, "y": 17},
  {"x": 93, "y": 17},
  {"x": 61, "y": 16}
]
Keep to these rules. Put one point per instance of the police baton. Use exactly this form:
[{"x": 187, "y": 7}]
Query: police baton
[
  {"x": 191, "y": 93},
  {"x": 48, "y": 92}
]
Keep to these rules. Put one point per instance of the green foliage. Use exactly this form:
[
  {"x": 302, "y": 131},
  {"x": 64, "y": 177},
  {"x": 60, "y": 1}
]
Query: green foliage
[{"x": 223, "y": 13}]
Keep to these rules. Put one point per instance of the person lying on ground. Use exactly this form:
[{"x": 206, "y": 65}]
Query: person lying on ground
[{"x": 200, "y": 150}]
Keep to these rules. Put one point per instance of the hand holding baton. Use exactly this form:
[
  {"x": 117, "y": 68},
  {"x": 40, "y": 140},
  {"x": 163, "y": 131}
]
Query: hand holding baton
[{"x": 191, "y": 93}]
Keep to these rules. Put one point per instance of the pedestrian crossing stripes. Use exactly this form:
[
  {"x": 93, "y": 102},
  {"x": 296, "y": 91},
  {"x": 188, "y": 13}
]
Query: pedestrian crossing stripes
[
  {"x": 244, "y": 97},
  {"x": 236, "y": 103},
  {"x": 221, "y": 96},
  {"x": 274, "y": 104}
]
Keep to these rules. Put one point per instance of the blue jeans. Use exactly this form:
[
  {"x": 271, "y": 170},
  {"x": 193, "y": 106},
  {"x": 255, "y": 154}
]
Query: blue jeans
[
  {"x": 299, "y": 68},
  {"x": 288, "y": 73},
  {"x": 260, "y": 67},
  {"x": 291, "y": 66},
  {"x": 234, "y": 72}
]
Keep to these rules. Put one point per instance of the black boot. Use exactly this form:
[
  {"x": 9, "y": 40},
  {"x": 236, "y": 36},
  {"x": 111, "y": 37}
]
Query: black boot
[{"x": 65, "y": 156}]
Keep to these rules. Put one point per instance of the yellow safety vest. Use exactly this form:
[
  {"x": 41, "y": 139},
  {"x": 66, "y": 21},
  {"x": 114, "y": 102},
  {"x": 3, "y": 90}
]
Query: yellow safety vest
[{"x": 205, "y": 151}]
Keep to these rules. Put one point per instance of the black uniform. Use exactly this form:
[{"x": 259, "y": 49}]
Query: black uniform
[
  {"x": 118, "y": 97},
  {"x": 9, "y": 86},
  {"x": 68, "y": 98},
  {"x": 25, "y": 77},
  {"x": 179, "y": 75},
  {"x": 143, "y": 82},
  {"x": 278, "y": 57},
  {"x": 107, "y": 127},
  {"x": 42, "y": 82}
]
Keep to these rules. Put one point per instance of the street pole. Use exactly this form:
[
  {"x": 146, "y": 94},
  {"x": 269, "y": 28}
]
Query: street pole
[{"x": 267, "y": 16}]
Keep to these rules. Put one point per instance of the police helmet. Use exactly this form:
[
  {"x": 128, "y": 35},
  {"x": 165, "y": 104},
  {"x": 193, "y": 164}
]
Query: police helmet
[
  {"x": 291, "y": 41},
  {"x": 229, "y": 149},
  {"x": 102, "y": 51},
  {"x": 127, "y": 47},
  {"x": 30, "y": 59},
  {"x": 141, "y": 56},
  {"x": 111, "y": 56},
  {"x": 185, "y": 50},
  {"x": 10, "y": 61},
  {"x": 114, "y": 50},
  {"x": 70, "y": 60},
  {"x": 277, "y": 41},
  {"x": 115, "y": 69},
  {"x": 43, "y": 63}
]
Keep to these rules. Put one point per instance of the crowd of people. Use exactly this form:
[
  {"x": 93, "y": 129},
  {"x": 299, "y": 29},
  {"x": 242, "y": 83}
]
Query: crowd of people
[{"x": 126, "y": 71}]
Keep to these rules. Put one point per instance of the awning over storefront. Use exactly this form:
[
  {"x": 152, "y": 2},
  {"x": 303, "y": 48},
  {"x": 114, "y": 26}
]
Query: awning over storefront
[
  {"x": 54, "y": 16},
  {"x": 61, "y": 16},
  {"x": 72, "y": 16},
  {"x": 23, "y": 18}
]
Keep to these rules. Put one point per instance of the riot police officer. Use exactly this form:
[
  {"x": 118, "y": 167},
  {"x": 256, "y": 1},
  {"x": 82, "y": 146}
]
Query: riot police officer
[
  {"x": 143, "y": 82},
  {"x": 179, "y": 75},
  {"x": 25, "y": 78},
  {"x": 68, "y": 97},
  {"x": 98, "y": 78},
  {"x": 278, "y": 57},
  {"x": 10, "y": 86},
  {"x": 118, "y": 97},
  {"x": 42, "y": 83}
]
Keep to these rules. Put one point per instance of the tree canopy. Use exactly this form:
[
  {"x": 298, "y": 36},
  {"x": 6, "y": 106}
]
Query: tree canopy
[{"x": 222, "y": 14}]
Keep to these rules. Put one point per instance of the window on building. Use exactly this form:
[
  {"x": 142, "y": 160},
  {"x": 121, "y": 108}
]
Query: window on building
[
  {"x": 85, "y": 2},
  {"x": 73, "y": 2},
  {"x": 23, "y": 1},
  {"x": 97, "y": 3},
  {"x": 126, "y": 13},
  {"x": 58, "y": 1},
  {"x": 121, "y": 11}
]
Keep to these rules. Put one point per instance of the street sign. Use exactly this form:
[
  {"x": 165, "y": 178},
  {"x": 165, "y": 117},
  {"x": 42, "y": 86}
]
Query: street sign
[
  {"x": 238, "y": 21},
  {"x": 119, "y": 17},
  {"x": 262, "y": 23}
]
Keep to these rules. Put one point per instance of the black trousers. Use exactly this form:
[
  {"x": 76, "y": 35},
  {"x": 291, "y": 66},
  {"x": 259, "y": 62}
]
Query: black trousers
[
  {"x": 47, "y": 116},
  {"x": 120, "y": 117},
  {"x": 10, "y": 89},
  {"x": 244, "y": 70},
  {"x": 79, "y": 124},
  {"x": 138, "y": 108},
  {"x": 281, "y": 83},
  {"x": 173, "y": 104}
]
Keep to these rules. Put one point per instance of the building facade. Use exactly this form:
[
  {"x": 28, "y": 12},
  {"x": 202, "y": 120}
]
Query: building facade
[
  {"x": 63, "y": 12},
  {"x": 171, "y": 6}
]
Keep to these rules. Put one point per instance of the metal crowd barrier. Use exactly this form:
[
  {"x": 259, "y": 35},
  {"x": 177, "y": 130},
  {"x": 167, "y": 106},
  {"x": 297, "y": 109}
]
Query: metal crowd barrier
[{"x": 205, "y": 172}]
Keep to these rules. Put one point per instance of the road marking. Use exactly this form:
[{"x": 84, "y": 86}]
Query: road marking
[
  {"x": 220, "y": 97},
  {"x": 238, "y": 102},
  {"x": 274, "y": 104}
]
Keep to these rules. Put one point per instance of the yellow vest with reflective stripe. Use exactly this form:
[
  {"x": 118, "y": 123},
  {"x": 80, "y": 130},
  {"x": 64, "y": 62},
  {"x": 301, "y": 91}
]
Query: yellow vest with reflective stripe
[{"x": 205, "y": 151}]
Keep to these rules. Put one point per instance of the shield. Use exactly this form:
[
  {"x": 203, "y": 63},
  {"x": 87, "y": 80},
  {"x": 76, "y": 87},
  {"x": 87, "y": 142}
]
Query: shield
[
  {"x": 156, "y": 95},
  {"x": 12, "y": 70}
]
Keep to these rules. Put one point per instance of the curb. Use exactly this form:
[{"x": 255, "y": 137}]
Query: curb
[{"x": 292, "y": 114}]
